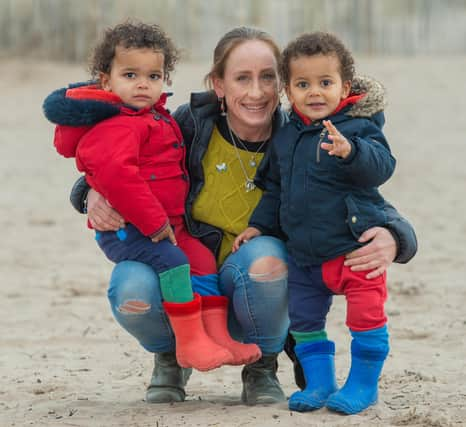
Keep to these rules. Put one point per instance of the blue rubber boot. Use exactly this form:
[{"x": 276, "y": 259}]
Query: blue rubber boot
[
  {"x": 318, "y": 362},
  {"x": 369, "y": 350}
]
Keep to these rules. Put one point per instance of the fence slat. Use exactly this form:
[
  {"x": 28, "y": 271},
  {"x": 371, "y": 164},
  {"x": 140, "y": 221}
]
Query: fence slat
[{"x": 66, "y": 29}]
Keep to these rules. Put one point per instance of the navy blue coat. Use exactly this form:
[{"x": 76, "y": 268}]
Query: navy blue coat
[{"x": 321, "y": 203}]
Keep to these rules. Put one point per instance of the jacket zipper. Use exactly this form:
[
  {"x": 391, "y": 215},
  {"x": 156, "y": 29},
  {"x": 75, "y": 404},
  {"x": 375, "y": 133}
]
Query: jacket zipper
[
  {"x": 187, "y": 216},
  {"x": 194, "y": 136},
  {"x": 321, "y": 138}
]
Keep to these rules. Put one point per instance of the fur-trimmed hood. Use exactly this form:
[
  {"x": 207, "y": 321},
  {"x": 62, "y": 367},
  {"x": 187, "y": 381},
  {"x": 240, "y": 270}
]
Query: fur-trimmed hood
[
  {"x": 78, "y": 107},
  {"x": 85, "y": 104},
  {"x": 374, "y": 100},
  {"x": 61, "y": 109}
]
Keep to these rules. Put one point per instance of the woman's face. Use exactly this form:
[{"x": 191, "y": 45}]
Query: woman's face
[{"x": 250, "y": 86}]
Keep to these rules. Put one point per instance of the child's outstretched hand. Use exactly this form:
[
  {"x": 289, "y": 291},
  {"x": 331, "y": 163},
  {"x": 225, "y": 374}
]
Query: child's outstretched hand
[
  {"x": 340, "y": 146},
  {"x": 246, "y": 235}
]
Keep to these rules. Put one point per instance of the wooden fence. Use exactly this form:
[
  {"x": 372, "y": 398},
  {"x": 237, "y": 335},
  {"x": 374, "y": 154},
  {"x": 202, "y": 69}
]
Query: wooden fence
[{"x": 65, "y": 29}]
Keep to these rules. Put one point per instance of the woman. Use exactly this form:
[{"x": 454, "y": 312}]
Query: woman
[{"x": 227, "y": 130}]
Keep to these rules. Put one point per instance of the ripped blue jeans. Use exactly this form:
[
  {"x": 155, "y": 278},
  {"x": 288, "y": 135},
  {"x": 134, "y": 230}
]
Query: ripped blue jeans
[{"x": 258, "y": 302}]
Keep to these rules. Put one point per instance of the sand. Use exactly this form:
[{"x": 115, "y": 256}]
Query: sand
[{"x": 64, "y": 361}]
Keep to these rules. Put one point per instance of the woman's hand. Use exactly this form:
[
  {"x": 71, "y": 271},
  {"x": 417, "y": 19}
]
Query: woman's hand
[
  {"x": 101, "y": 215},
  {"x": 246, "y": 235},
  {"x": 376, "y": 256}
]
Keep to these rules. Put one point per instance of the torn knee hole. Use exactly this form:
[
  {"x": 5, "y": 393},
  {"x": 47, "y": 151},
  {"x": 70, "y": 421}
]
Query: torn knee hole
[
  {"x": 268, "y": 268},
  {"x": 135, "y": 307}
]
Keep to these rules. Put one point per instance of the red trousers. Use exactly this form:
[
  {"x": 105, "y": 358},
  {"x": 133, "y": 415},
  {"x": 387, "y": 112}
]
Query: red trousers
[
  {"x": 201, "y": 260},
  {"x": 365, "y": 298},
  {"x": 310, "y": 291}
]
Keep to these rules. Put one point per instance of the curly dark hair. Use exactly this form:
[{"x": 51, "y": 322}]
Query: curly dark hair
[
  {"x": 133, "y": 35},
  {"x": 316, "y": 43}
]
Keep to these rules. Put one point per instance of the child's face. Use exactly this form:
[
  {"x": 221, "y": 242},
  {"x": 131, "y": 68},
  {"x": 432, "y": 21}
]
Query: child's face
[
  {"x": 136, "y": 76},
  {"x": 316, "y": 87}
]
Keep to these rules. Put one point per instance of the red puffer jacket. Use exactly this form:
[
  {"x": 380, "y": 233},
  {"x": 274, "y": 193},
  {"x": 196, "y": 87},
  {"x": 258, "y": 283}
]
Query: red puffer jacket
[{"x": 135, "y": 159}]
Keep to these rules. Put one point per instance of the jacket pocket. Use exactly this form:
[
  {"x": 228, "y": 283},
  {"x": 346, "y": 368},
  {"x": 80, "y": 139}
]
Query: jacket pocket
[
  {"x": 362, "y": 215},
  {"x": 169, "y": 184},
  {"x": 164, "y": 171}
]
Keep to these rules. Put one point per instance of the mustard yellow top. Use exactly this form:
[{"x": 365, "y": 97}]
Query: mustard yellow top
[{"x": 223, "y": 201}]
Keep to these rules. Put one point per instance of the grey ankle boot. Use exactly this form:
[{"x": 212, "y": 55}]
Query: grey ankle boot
[
  {"x": 168, "y": 380},
  {"x": 260, "y": 382}
]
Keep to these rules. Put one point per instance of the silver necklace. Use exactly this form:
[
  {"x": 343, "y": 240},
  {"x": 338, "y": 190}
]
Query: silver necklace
[
  {"x": 249, "y": 184},
  {"x": 252, "y": 160}
]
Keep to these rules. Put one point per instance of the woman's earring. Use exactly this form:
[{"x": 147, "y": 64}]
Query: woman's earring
[{"x": 222, "y": 106}]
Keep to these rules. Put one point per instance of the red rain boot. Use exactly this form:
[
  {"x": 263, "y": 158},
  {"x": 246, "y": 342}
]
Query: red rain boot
[
  {"x": 194, "y": 348},
  {"x": 214, "y": 315}
]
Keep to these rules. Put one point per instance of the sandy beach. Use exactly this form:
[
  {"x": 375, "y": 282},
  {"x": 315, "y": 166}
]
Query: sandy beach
[{"x": 64, "y": 361}]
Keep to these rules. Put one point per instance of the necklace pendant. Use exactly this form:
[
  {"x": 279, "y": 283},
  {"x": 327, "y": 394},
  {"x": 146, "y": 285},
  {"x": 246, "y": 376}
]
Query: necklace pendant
[
  {"x": 250, "y": 186},
  {"x": 252, "y": 163}
]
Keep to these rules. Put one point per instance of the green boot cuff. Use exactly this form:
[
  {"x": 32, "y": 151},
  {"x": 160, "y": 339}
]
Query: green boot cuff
[
  {"x": 175, "y": 284},
  {"x": 305, "y": 337}
]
